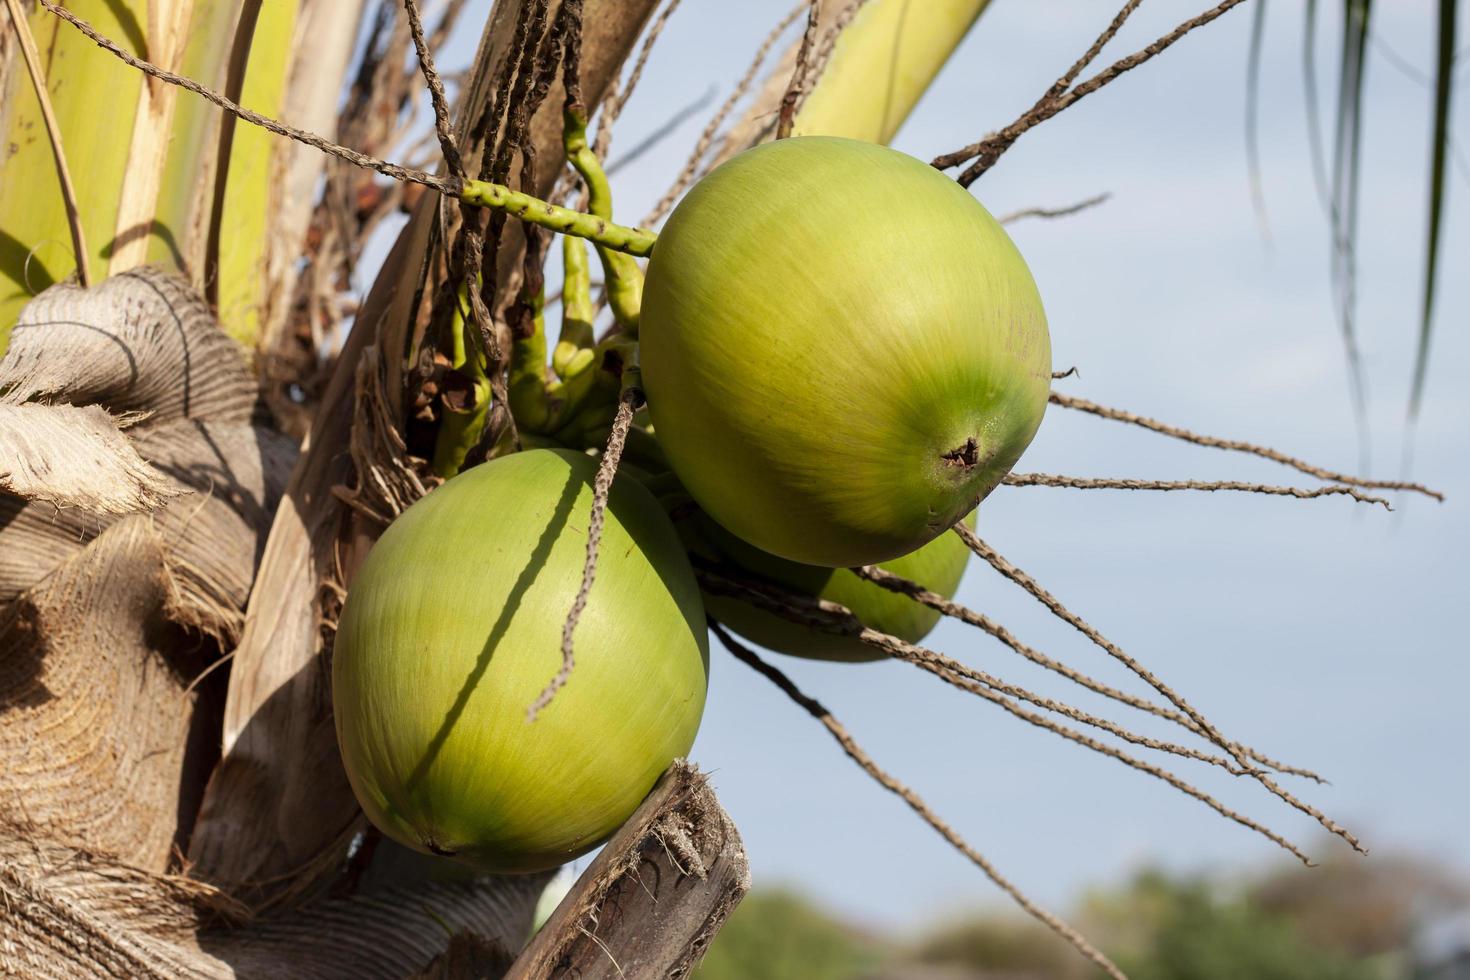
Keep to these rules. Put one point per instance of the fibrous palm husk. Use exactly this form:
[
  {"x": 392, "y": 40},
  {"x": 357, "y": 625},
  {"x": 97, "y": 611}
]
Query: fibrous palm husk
[
  {"x": 104, "y": 615},
  {"x": 69, "y": 912}
]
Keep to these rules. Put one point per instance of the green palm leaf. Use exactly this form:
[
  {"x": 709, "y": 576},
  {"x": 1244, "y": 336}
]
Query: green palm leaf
[
  {"x": 1439, "y": 153},
  {"x": 1346, "y": 174},
  {"x": 1338, "y": 186}
]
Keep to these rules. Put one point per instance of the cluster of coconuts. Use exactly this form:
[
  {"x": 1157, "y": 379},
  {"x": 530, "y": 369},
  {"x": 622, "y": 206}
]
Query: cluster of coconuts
[{"x": 842, "y": 353}]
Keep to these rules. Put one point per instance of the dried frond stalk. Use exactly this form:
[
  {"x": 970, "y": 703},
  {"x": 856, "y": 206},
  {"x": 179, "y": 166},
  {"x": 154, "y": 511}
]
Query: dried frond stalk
[
  {"x": 93, "y": 715},
  {"x": 68, "y": 456},
  {"x": 140, "y": 342}
]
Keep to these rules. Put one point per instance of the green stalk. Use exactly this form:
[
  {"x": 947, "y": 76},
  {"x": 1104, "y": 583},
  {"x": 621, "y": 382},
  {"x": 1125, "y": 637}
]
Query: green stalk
[
  {"x": 573, "y": 353},
  {"x": 529, "y": 404},
  {"x": 252, "y": 200},
  {"x": 460, "y": 427},
  {"x": 533, "y": 210},
  {"x": 623, "y": 278},
  {"x": 591, "y": 399}
]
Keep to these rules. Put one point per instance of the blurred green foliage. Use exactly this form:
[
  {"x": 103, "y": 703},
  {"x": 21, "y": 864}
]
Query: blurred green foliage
[
  {"x": 1192, "y": 933},
  {"x": 777, "y": 935},
  {"x": 1349, "y": 920}
]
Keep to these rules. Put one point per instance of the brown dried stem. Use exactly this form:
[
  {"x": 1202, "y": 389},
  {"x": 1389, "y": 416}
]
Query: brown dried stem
[
  {"x": 1062, "y": 212},
  {"x": 896, "y": 583},
  {"x": 1061, "y": 85},
  {"x": 53, "y": 133},
  {"x": 1235, "y": 445},
  {"x": 607, "y": 470},
  {"x": 1209, "y": 486},
  {"x": 916, "y": 803},
  {"x": 829, "y": 617},
  {"x": 893, "y": 582},
  {"x": 1010, "y": 571},
  {"x": 829, "y": 43},
  {"x": 443, "y": 125},
  {"x": 988, "y": 150},
  {"x": 501, "y": 129},
  {"x": 612, "y": 107},
  {"x": 707, "y": 138},
  {"x": 799, "y": 73}
]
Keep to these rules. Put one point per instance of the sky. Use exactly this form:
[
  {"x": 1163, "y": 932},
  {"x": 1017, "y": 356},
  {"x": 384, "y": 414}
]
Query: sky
[{"x": 1324, "y": 632}]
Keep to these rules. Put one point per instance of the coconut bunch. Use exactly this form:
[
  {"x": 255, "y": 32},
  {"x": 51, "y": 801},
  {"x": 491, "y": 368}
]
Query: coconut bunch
[
  {"x": 801, "y": 417},
  {"x": 784, "y": 428}
]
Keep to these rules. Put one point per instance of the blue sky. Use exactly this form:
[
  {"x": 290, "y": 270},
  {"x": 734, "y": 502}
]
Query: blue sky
[{"x": 1327, "y": 633}]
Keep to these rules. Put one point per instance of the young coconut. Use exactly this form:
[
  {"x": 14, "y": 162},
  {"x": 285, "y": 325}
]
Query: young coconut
[
  {"x": 453, "y": 627},
  {"x": 842, "y": 350},
  {"x": 938, "y": 566}
]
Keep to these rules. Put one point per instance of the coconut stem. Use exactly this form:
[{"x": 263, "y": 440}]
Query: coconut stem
[
  {"x": 623, "y": 277},
  {"x": 533, "y": 210},
  {"x": 569, "y": 359},
  {"x": 529, "y": 402},
  {"x": 461, "y": 425}
]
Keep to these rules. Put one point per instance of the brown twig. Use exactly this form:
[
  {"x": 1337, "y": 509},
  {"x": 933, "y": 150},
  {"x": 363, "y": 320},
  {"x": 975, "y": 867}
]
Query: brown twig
[
  {"x": 885, "y": 579},
  {"x": 988, "y": 150},
  {"x": 829, "y": 617},
  {"x": 661, "y": 132},
  {"x": 1030, "y": 585},
  {"x": 561, "y": 49},
  {"x": 1063, "y": 212},
  {"x": 829, "y": 44},
  {"x": 896, "y": 583},
  {"x": 916, "y": 803},
  {"x": 607, "y": 470},
  {"x": 798, "y": 74},
  {"x": 443, "y": 125},
  {"x": 707, "y": 138},
  {"x": 524, "y": 79},
  {"x": 53, "y": 133},
  {"x": 1090, "y": 55},
  {"x": 1235, "y": 445},
  {"x": 1208, "y": 486},
  {"x": 612, "y": 106}
]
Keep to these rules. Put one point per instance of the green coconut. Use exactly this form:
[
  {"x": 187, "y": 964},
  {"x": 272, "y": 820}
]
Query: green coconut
[
  {"x": 843, "y": 351},
  {"x": 938, "y": 566},
  {"x": 453, "y": 627}
]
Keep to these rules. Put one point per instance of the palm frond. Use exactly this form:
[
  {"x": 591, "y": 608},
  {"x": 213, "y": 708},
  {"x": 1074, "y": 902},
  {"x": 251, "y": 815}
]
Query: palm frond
[
  {"x": 1439, "y": 151},
  {"x": 1346, "y": 173},
  {"x": 1314, "y": 112},
  {"x": 1252, "y": 117}
]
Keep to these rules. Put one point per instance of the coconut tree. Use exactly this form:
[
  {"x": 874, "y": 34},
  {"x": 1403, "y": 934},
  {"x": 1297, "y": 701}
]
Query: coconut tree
[{"x": 193, "y": 477}]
